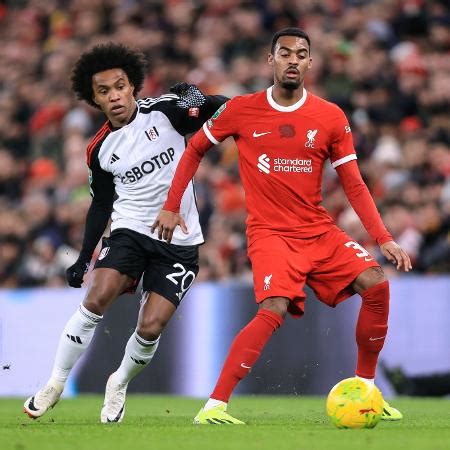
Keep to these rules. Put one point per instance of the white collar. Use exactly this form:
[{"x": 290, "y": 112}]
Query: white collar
[{"x": 290, "y": 108}]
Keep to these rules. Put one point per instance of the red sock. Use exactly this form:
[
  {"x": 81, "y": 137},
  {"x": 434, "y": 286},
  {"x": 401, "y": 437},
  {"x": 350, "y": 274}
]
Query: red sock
[
  {"x": 244, "y": 352},
  {"x": 371, "y": 328}
]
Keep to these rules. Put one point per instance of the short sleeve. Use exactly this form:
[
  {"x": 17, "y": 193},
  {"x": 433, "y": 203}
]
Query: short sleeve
[
  {"x": 223, "y": 123},
  {"x": 342, "y": 148}
]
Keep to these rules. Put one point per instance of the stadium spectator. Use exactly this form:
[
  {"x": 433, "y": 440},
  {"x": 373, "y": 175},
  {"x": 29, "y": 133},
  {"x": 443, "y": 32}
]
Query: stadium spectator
[{"x": 380, "y": 54}]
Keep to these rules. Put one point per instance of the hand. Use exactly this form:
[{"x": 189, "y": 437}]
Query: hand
[
  {"x": 396, "y": 255},
  {"x": 166, "y": 222},
  {"x": 75, "y": 273},
  {"x": 190, "y": 95}
]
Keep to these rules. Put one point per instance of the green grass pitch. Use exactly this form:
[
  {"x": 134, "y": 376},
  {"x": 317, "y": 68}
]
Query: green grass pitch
[{"x": 165, "y": 422}]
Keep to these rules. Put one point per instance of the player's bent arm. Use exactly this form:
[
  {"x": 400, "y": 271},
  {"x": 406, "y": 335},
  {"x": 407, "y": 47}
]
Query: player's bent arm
[{"x": 362, "y": 202}]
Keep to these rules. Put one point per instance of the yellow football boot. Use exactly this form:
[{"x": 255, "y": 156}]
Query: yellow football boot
[
  {"x": 216, "y": 416},
  {"x": 390, "y": 413}
]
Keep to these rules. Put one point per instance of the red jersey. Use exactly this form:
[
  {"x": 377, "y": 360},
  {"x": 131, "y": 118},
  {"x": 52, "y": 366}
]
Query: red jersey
[{"x": 282, "y": 152}]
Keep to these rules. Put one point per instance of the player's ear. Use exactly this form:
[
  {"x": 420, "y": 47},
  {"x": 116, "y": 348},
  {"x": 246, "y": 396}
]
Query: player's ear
[{"x": 270, "y": 59}]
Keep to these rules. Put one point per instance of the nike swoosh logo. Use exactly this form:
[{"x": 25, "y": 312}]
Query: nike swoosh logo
[
  {"x": 376, "y": 339},
  {"x": 368, "y": 259},
  {"x": 255, "y": 134},
  {"x": 244, "y": 366}
]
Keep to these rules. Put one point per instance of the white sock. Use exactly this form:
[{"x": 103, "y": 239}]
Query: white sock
[
  {"x": 212, "y": 403},
  {"x": 74, "y": 340},
  {"x": 138, "y": 353},
  {"x": 368, "y": 380}
]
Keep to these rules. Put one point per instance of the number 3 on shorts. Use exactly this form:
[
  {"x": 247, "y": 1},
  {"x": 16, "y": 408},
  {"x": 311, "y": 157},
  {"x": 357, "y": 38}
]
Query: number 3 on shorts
[
  {"x": 363, "y": 253},
  {"x": 182, "y": 277}
]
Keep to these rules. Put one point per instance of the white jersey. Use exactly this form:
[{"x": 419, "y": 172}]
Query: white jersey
[{"x": 133, "y": 166}]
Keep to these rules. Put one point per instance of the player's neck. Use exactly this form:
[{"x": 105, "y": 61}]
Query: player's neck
[
  {"x": 286, "y": 97},
  {"x": 121, "y": 123}
]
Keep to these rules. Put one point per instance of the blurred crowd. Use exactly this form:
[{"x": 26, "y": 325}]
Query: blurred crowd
[{"x": 385, "y": 62}]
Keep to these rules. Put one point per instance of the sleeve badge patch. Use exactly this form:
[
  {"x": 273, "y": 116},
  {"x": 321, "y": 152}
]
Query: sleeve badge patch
[{"x": 219, "y": 111}]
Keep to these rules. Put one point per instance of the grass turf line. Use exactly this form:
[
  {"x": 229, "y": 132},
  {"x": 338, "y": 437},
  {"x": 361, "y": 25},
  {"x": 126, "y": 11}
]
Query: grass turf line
[{"x": 165, "y": 422}]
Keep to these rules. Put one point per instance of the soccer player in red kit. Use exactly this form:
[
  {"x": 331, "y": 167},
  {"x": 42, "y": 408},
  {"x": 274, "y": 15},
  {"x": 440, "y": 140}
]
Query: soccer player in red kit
[{"x": 284, "y": 136}]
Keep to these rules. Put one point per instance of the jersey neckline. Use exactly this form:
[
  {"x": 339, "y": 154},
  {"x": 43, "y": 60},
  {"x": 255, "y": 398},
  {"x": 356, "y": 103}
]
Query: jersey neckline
[
  {"x": 281, "y": 108},
  {"x": 133, "y": 116}
]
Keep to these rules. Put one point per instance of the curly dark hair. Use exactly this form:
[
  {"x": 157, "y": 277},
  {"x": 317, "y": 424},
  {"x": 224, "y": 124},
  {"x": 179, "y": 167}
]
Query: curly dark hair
[{"x": 104, "y": 57}]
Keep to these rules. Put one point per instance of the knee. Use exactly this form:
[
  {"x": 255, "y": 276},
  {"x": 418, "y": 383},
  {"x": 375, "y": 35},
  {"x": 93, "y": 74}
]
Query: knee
[
  {"x": 98, "y": 298},
  {"x": 377, "y": 277},
  {"x": 278, "y": 305},
  {"x": 376, "y": 299},
  {"x": 151, "y": 327},
  {"x": 378, "y": 291},
  {"x": 368, "y": 279}
]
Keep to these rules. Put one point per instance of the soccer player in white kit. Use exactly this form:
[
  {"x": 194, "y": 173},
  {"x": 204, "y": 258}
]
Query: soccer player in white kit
[{"x": 131, "y": 160}]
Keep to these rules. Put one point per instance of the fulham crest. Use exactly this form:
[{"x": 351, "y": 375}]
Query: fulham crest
[{"x": 152, "y": 134}]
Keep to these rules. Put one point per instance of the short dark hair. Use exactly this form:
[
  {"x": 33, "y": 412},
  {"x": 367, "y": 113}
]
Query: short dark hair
[
  {"x": 104, "y": 57},
  {"x": 291, "y": 31}
]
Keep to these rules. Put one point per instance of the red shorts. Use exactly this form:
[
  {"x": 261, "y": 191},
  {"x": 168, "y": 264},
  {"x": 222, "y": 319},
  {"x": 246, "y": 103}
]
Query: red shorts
[{"x": 328, "y": 264}]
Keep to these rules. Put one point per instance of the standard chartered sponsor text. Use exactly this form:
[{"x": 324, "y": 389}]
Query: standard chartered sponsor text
[{"x": 292, "y": 165}]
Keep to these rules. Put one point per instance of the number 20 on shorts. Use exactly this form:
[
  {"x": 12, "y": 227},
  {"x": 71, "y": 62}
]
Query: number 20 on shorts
[{"x": 182, "y": 277}]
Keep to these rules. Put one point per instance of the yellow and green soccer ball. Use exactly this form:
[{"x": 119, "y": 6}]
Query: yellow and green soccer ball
[{"x": 354, "y": 403}]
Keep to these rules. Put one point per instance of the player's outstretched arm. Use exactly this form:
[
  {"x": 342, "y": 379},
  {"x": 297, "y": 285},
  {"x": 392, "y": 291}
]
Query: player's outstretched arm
[
  {"x": 166, "y": 222},
  {"x": 169, "y": 218},
  {"x": 396, "y": 255}
]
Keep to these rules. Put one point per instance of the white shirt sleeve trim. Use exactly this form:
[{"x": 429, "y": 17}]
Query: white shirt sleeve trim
[
  {"x": 343, "y": 160},
  {"x": 209, "y": 135}
]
